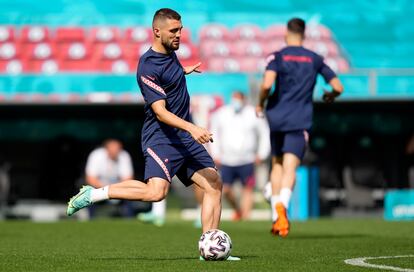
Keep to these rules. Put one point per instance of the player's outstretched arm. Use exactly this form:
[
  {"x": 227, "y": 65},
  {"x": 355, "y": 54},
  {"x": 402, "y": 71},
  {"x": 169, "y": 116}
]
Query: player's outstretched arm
[
  {"x": 192, "y": 68},
  {"x": 269, "y": 78},
  {"x": 201, "y": 135},
  {"x": 337, "y": 90}
]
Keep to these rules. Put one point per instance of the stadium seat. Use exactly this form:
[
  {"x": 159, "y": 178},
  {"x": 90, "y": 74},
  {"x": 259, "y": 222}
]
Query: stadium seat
[
  {"x": 216, "y": 48},
  {"x": 275, "y": 32},
  {"x": 338, "y": 64},
  {"x": 70, "y": 34},
  {"x": 104, "y": 35},
  {"x": 252, "y": 64},
  {"x": 41, "y": 57},
  {"x": 324, "y": 48},
  {"x": 76, "y": 57},
  {"x": 187, "y": 51},
  {"x": 221, "y": 65},
  {"x": 40, "y": 51},
  {"x": 249, "y": 49},
  {"x": 185, "y": 35},
  {"x": 214, "y": 32},
  {"x": 34, "y": 34},
  {"x": 318, "y": 32},
  {"x": 135, "y": 51},
  {"x": 9, "y": 51},
  {"x": 247, "y": 32},
  {"x": 13, "y": 67},
  {"x": 6, "y": 34},
  {"x": 273, "y": 45},
  {"x": 138, "y": 34},
  {"x": 110, "y": 51}
]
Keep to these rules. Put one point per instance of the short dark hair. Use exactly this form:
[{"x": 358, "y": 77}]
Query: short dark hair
[
  {"x": 165, "y": 13},
  {"x": 297, "y": 26}
]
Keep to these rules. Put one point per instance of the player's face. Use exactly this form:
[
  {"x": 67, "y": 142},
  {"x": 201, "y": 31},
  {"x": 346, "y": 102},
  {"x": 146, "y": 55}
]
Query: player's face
[{"x": 171, "y": 34}]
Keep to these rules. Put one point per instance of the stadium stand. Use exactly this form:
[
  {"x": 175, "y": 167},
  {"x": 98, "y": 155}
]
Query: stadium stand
[{"x": 39, "y": 49}]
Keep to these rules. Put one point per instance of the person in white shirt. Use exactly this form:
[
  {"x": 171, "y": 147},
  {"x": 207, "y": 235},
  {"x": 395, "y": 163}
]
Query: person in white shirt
[
  {"x": 241, "y": 141},
  {"x": 107, "y": 165}
]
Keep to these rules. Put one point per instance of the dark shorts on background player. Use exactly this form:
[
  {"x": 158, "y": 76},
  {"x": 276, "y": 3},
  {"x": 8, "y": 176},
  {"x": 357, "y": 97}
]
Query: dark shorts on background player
[
  {"x": 294, "y": 142},
  {"x": 183, "y": 160},
  {"x": 245, "y": 173}
]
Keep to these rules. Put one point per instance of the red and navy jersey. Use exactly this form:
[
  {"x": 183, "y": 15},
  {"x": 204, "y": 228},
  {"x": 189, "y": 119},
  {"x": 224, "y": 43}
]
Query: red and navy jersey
[
  {"x": 290, "y": 105},
  {"x": 161, "y": 76}
]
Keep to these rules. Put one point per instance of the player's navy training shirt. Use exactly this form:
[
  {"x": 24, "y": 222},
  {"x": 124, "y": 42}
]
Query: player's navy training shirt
[
  {"x": 290, "y": 105},
  {"x": 161, "y": 76}
]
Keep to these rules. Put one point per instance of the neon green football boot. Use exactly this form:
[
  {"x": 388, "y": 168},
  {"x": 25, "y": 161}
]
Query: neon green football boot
[{"x": 80, "y": 201}]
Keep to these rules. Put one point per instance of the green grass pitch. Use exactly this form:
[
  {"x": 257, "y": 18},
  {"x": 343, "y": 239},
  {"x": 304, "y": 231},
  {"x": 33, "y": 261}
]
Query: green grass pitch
[{"x": 128, "y": 245}]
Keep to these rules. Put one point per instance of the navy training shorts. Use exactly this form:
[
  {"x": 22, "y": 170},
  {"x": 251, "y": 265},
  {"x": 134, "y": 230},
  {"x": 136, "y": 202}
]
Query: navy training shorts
[
  {"x": 294, "y": 142},
  {"x": 245, "y": 173},
  {"x": 183, "y": 160}
]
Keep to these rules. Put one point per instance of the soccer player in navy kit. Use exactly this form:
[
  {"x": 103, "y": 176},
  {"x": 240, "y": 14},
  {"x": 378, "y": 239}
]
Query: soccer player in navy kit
[
  {"x": 172, "y": 145},
  {"x": 289, "y": 112}
]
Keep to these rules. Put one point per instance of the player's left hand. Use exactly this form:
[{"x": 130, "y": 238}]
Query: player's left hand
[{"x": 193, "y": 68}]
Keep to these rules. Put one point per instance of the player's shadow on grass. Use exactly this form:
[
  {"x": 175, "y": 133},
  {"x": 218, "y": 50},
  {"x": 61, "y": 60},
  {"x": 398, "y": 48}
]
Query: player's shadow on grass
[
  {"x": 110, "y": 259},
  {"x": 327, "y": 236}
]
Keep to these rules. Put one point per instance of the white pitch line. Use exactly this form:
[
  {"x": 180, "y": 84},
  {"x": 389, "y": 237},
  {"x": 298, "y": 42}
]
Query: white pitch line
[{"x": 361, "y": 262}]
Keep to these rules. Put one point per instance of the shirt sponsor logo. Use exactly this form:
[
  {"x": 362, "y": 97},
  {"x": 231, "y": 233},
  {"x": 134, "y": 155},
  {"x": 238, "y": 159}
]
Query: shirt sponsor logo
[
  {"x": 297, "y": 58},
  {"x": 152, "y": 85}
]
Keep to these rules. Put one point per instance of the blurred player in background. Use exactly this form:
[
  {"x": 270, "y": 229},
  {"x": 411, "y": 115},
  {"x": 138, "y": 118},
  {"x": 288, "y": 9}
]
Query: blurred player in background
[
  {"x": 289, "y": 111},
  {"x": 241, "y": 143},
  {"x": 172, "y": 145},
  {"x": 107, "y": 165}
]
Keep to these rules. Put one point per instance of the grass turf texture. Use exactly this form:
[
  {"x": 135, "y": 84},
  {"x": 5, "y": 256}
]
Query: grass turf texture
[{"x": 104, "y": 245}]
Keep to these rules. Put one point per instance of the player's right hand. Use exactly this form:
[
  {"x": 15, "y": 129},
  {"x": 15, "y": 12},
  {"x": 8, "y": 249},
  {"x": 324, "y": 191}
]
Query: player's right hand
[
  {"x": 259, "y": 111},
  {"x": 201, "y": 135}
]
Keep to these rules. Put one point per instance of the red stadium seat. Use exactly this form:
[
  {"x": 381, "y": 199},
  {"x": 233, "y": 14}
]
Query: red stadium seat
[
  {"x": 9, "y": 51},
  {"x": 41, "y": 58},
  {"x": 110, "y": 51},
  {"x": 216, "y": 48},
  {"x": 7, "y": 34},
  {"x": 185, "y": 35},
  {"x": 13, "y": 67},
  {"x": 138, "y": 34},
  {"x": 224, "y": 65},
  {"x": 34, "y": 34},
  {"x": 247, "y": 32},
  {"x": 135, "y": 51},
  {"x": 252, "y": 65},
  {"x": 249, "y": 49},
  {"x": 70, "y": 34},
  {"x": 104, "y": 34},
  {"x": 214, "y": 32},
  {"x": 272, "y": 46},
  {"x": 275, "y": 32},
  {"x": 76, "y": 57},
  {"x": 40, "y": 51},
  {"x": 318, "y": 32},
  {"x": 119, "y": 67},
  {"x": 324, "y": 48},
  {"x": 187, "y": 51},
  {"x": 338, "y": 64}
]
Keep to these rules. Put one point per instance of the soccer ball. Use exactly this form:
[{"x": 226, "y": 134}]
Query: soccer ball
[
  {"x": 267, "y": 191},
  {"x": 215, "y": 245}
]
